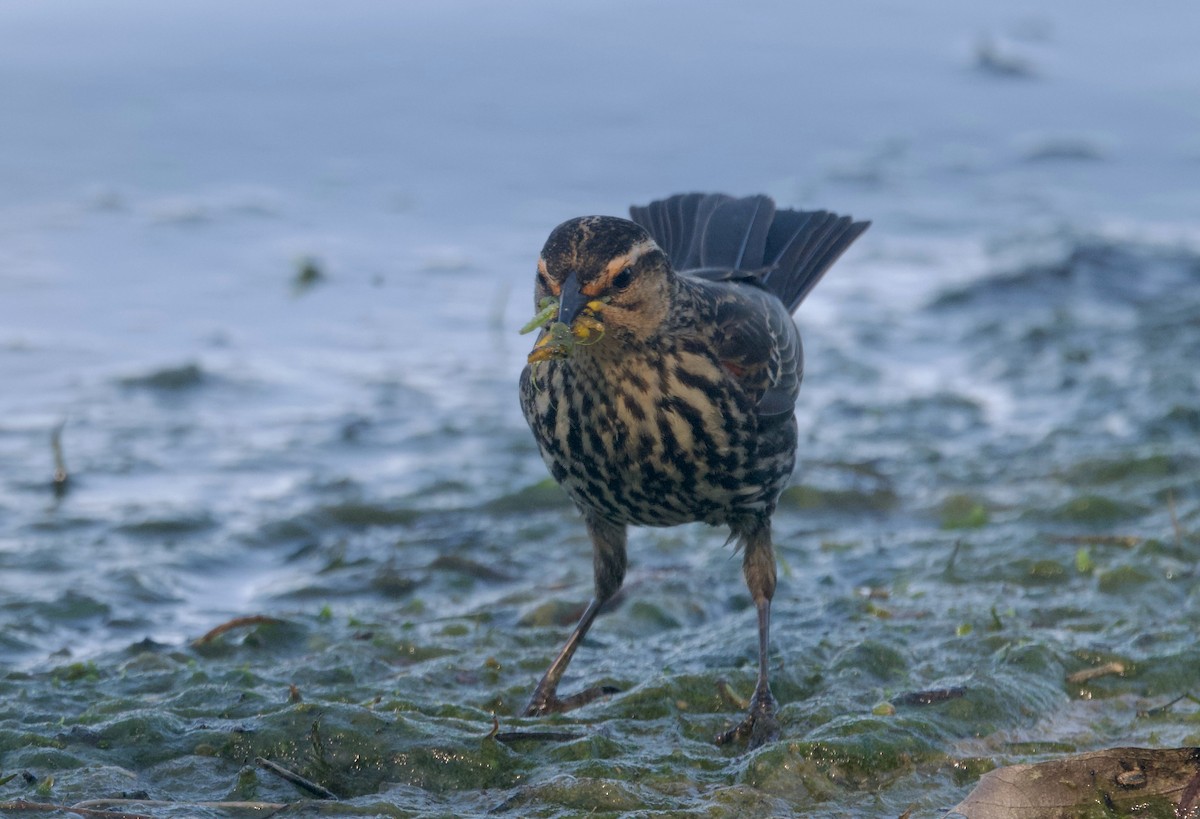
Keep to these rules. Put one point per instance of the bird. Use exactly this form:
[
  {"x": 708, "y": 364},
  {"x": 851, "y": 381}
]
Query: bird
[{"x": 662, "y": 387}]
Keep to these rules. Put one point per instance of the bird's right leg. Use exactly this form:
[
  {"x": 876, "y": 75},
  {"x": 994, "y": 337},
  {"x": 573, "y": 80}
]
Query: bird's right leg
[
  {"x": 758, "y": 566},
  {"x": 608, "y": 557}
]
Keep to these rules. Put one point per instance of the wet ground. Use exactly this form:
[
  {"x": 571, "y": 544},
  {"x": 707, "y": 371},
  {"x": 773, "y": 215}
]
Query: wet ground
[{"x": 261, "y": 272}]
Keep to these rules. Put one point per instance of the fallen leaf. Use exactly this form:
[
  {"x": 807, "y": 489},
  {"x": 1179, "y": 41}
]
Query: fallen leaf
[{"x": 1117, "y": 782}]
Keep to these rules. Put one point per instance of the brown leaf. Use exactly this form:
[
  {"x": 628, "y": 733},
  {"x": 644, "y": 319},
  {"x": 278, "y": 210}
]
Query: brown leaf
[{"x": 1134, "y": 782}]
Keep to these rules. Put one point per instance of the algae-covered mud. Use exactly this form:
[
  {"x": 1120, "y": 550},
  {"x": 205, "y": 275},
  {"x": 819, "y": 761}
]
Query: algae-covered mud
[{"x": 262, "y": 271}]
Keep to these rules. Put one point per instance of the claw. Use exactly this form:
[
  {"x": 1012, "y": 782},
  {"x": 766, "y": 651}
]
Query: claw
[{"x": 759, "y": 726}]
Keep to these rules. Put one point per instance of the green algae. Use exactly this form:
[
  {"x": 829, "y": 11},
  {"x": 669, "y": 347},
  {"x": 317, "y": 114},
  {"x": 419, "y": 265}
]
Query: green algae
[
  {"x": 1100, "y": 471},
  {"x": 543, "y": 494},
  {"x": 1095, "y": 510},
  {"x": 855, "y": 756},
  {"x": 364, "y": 514},
  {"x": 815, "y": 499},
  {"x": 1124, "y": 579},
  {"x": 960, "y": 511}
]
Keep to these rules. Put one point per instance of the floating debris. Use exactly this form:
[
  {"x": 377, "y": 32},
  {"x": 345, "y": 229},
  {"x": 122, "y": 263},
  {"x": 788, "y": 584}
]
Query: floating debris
[
  {"x": 1089, "y": 674},
  {"x": 470, "y": 568},
  {"x": 182, "y": 377},
  {"x": 999, "y": 60},
  {"x": 309, "y": 273},
  {"x": 62, "y": 479},
  {"x": 931, "y": 696},
  {"x": 1068, "y": 149},
  {"x": 49, "y": 807},
  {"x": 307, "y": 785},
  {"x": 1126, "y": 781},
  {"x": 529, "y": 736},
  {"x": 237, "y": 622},
  {"x": 535, "y": 736}
]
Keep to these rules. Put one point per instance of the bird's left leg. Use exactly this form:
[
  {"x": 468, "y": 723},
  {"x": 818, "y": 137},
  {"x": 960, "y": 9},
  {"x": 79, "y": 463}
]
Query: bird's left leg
[
  {"x": 608, "y": 558},
  {"x": 758, "y": 566}
]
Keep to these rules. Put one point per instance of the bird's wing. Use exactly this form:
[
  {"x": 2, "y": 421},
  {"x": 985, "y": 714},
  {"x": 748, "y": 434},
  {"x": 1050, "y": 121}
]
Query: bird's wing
[{"x": 756, "y": 341}]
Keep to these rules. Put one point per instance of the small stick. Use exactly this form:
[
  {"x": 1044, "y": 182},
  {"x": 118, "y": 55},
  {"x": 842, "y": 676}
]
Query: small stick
[
  {"x": 1166, "y": 706},
  {"x": 949, "y": 570},
  {"x": 1099, "y": 671},
  {"x": 1174, "y": 519},
  {"x": 21, "y": 804},
  {"x": 319, "y": 791},
  {"x": 62, "y": 478},
  {"x": 534, "y": 736},
  {"x": 101, "y": 804},
  {"x": 236, "y": 622}
]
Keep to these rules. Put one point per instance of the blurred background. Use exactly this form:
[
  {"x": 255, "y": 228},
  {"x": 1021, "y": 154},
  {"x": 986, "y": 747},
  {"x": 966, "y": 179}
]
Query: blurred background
[{"x": 261, "y": 271}]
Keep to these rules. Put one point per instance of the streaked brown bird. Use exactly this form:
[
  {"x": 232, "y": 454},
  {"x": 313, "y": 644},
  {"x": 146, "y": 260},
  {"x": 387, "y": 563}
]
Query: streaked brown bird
[{"x": 663, "y": 385}]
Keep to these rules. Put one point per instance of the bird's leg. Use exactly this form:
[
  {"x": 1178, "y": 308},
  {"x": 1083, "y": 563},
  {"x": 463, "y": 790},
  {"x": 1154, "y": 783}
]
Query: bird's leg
[
  {"x": 758, "y": 566},
  {"x": 608, "y": 557}
]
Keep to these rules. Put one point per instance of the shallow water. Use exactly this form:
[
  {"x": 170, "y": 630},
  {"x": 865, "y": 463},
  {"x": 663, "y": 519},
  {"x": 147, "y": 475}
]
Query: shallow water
[{"x": 1000, "y": 422}]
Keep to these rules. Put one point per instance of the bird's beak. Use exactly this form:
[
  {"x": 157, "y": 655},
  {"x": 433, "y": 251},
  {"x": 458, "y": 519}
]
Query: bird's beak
[{"x": 571, "y": 299}]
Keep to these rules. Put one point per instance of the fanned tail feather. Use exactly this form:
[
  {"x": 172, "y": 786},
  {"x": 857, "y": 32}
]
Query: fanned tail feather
[{"x": 787, "y": 250}]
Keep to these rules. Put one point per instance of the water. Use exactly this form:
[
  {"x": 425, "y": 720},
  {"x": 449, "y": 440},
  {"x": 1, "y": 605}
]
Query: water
[{"x": 999, "y": 423}]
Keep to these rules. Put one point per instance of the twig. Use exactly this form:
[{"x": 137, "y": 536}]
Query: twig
[
  {"x": 100, "y": 805},
  {"x": 529, "y": 736},
  {"x": 948, "y": 571},
  {"x": 1166, "y": 706},
  {"x": 314, "y": 739},
  {"x": 534, "y": 736},
  {"x": 21, "y": 804},
  {"x": 1175, "y": 519},
  {"x": 237, "y": 622},
  {"x": 62, "y": 478},
  {"x": 319, "y": 791},
  {"x": 1088, "y": 674}
]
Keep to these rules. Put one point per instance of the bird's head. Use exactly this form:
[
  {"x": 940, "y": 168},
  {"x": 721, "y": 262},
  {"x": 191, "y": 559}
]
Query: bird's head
[{"x": 600, "y": 280}]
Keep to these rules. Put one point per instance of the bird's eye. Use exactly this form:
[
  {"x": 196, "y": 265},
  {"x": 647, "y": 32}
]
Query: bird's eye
[{"x": 623, "y": 279}]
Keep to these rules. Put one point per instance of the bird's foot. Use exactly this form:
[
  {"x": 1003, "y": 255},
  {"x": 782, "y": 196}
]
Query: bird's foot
[
  {"x": 760, "y": 725},
  {"x": 546, "y": 701}
]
